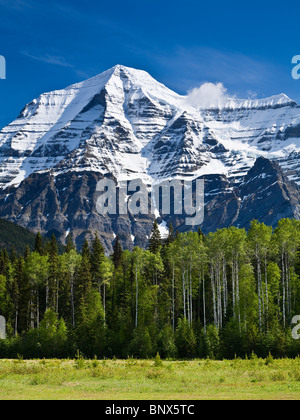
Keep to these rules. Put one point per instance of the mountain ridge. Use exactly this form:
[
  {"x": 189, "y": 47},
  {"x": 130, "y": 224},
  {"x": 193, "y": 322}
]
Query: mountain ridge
[
  {"x": 125, "y": 125},
  {"x": 135, "y": 114}
]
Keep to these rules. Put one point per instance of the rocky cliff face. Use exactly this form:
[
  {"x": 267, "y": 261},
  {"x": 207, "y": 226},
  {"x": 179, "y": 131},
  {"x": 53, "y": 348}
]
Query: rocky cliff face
[
  {"x": 125, "y": 125},
  {"x": 67, "y": 203}
]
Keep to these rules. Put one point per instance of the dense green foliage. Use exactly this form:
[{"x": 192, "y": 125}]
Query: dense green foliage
[
  {"x": 224, "y": 294},
  {"x": 15, "y": 237}
]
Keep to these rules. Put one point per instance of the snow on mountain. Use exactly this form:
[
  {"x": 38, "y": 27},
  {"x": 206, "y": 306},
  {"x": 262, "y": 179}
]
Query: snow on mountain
[{"x": 125, "y": 123}]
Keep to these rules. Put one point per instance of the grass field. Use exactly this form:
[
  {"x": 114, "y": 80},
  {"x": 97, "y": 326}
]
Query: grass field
[{"x": 149, "y": 380}]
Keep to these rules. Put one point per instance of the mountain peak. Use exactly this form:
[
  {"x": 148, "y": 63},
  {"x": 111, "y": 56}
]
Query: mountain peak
[
  {"x": 125, "y": 125},
  {"x": 115, "y": 71},
  {"x": 124, "y": 122}
]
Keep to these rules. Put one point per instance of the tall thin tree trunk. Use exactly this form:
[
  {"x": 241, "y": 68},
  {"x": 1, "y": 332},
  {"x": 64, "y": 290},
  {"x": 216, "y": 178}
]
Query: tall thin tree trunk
[
  {"x": 16, "y": 320},
  {"x": 57, "y": 296},
  {"x": 224, "y": 284},
  {"x": 32, "y": 320},
  {"x": 104, "y": 302},
  {"x": 204, "y": 304},
  {"x": 137, "y": 297},
  {"x": 283, "y": 289},
  {"x": 191, "y": 293},
  {"x": 183, "y": 291},
  {"x": 72, "y": 301},
  {"x": 233, "y": 289},
  {"x": 259, "y": 292},
  {"x": 173, "y": 297},
  {"x": 238, "y": 291},
  {"x": 214, "y": 295},
  {"x": 267, "y": 294},
  {"x": 47, "y": 294},
  {"x": 37, "y": 308},
  {"x": 188, "y": 296}
]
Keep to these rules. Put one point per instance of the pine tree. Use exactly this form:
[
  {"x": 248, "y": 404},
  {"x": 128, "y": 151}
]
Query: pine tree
[
  {"x": 4, "y": 262},
  {"x": 85, "y": 251},
  {"x": 52, "y": 286},
  {"x": 13, "y": 255},
  {"x": 117, "y": 262},
  {"x": 155, "y": 241},
  {"x": 171, "y": 236},
  {"x": 96, "y": 258},
  {"x": 38, "y": 244},
  {"x": 17, "y": 286},
  {"x": 200, "y": 233},
  {"x": 27, "y": 252},
  {"x": 70, "y": 244},
  {"x": 83, "y": 286},
  {"x": 117, "y": 255}
]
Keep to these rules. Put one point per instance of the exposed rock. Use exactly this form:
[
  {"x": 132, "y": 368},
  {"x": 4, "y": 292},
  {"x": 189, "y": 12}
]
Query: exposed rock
[{"x": 124, "y": 125}]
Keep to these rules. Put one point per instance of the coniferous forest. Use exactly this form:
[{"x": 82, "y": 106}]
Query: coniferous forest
[{"x": 221, "y": 295}]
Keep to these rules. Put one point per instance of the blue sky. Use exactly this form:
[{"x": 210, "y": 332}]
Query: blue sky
[{"x": 50, "y": 45}]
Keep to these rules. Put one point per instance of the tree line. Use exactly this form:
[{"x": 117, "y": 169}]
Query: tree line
[{"x": 229, "y": 293}]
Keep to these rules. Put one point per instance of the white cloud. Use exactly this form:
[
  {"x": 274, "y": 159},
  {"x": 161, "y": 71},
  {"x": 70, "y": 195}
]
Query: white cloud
[
  {"x": 208, "y": 95},
  {"x": 48, "y": 58}
]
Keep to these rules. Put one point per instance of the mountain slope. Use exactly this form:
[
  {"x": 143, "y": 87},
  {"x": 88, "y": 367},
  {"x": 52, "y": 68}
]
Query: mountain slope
[
  {"x": 125, "y": 125},
  {"x": 67, "y": 203},
  {"x": 15, "y": 237}
]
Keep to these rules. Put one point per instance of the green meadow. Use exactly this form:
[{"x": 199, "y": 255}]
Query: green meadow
[{"x": 150, "y": 379}]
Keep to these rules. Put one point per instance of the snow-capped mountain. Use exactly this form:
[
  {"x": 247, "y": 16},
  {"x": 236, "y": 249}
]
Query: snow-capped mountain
[
  {"x": 126, "y": 123},
  {"x": 123, "y": 123}
]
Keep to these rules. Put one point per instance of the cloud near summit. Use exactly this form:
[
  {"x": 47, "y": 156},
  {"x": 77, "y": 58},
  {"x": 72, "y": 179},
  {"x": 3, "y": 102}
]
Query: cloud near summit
[{"x": 208, "y": 95}]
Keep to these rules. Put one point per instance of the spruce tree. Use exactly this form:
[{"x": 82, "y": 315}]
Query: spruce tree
[
  {"x": 17, "y": 285},
  {"x": 13, "y": 255},
  {"x": 117, "y": 255},
  {"x": 85, "y": 250},
  {"x": 4, "y": 263},
  {"x": 155, "y": 241},
  {"x": 171, "y": 236},
  {"x": 52, "y": 285},
  {"x": 27, "y": 252},
  {"x": 70, "y": 244},
  {"x": 38, "y": 244},
  {"x": 200, "y": 233},
  {"x": 96, "y": 258},
  {"x": 83, "y": 286}
]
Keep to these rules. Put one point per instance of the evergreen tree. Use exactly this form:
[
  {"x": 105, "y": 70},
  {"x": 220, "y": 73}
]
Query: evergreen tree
[
  {"x": 85, "y": 251},
  {"x": 230, "y": 293},
  {"x": 83, "y": 285},
  {"x": 13, "y": 256},
  {"x": 27, "y": 252},
  {"x": 200, "y": 233},
  {"x": 70, "y": 244},
  {"x": 38, "y": 244},
  {"x": 171, "y": 235},
  {"x": 155, "y": 241},
  {"x": 19, "y": 296},
  {"x": 97, "y": 255},
  {"x": 52, "y": 286},
  {"x": 117, "y": 254}
]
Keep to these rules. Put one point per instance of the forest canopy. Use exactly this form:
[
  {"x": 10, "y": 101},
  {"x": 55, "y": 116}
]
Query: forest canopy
[{"x": 229, "y": 293}]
